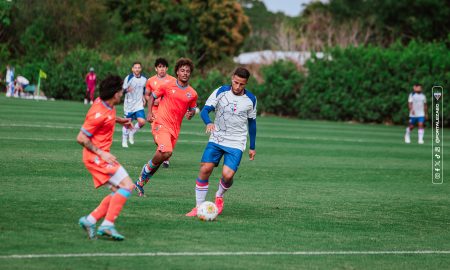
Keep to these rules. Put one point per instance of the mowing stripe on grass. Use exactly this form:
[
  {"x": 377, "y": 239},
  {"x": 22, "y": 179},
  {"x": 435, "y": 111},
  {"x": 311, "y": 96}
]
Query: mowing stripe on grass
[{"x": 250, "y": 253}]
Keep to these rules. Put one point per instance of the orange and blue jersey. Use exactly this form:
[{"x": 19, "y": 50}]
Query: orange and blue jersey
[
  {"x": 154, "y": 83},
  {"x": 99, "y": 126},
  {"x": 176, "y": 101}
]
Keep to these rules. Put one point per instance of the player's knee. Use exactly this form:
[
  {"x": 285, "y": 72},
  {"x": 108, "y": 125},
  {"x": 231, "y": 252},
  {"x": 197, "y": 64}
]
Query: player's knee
[
  {"x": 141, "y": 122},
  {"x": 167, "y": 155},
  {"x": 228, "y": 177}
]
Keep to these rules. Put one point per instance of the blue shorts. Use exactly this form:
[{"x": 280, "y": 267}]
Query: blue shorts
[
  {"x": 415, "y": 120},
  {"x": 213, "y": 154},
  {"x": 136, "y": 115}
]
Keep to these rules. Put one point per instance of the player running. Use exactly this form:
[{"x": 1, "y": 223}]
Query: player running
[
  {"x": 133, "y": 105},
  {"x": 235, "y": 109},
  {"x": 178, "y": 99},
  {"x": 161, "y": 77},
  {"x": 96, "y": 136},
  {"x": 418, "y": 112}
]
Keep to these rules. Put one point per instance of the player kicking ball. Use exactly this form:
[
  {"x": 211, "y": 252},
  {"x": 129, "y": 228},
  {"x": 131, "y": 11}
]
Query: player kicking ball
[
  {"x": 235, "y": 109},
  {"x": 178, "y": 99},
  {"x": 418, "y": 113},
  {"x": 96, "y": 137}
]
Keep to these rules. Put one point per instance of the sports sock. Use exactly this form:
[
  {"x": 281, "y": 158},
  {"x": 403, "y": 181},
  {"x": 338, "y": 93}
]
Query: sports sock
[
  {"x": 151, "y": 168},
  {"x": 125, "y": 132},
  {"x": 201, "y": 189},
  {"x": 135, "y": 128},
  {"x": 421, "y": 132},
  {"x": 118, "y": 200},
  {"x": 223, "y": 187},
  {"x": 101, "y": 209},
  {"x": 407, "y": 131}
]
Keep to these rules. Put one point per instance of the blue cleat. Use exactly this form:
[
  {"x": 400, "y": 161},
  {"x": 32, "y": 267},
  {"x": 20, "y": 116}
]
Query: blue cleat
[
  {"x": 139, "y": 187},
  {"x": 110, "y": 231},
  {"x": 88, "y": 227}
]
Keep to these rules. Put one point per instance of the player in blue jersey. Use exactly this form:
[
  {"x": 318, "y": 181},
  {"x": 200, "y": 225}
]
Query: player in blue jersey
[
  {"x": 235, "y": 109},
  {"x": 133, "y": 105}
]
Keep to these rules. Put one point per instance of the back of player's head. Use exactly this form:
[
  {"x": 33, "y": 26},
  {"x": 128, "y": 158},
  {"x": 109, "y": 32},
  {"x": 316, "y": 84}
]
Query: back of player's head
[
  {"x": 110, "y": 86},
  {"x": 242, "y": 72},
  {"x": 161, "y": 61},
  {"x": 184, "y": 62}
]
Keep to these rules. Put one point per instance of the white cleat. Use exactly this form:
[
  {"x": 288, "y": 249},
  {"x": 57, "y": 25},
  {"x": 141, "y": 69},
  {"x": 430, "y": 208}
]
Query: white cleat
[
  {"x": 124, "y": 144},
  {"x": 91, "y": 102},
  {"x": 420, "y": 141},
  {"x": 407, "y": 139},
  {"x": 85, "y": 101}
]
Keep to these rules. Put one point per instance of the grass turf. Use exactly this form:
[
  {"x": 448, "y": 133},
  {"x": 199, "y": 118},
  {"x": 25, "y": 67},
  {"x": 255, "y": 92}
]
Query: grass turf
[{"x": 314, "y": 186}]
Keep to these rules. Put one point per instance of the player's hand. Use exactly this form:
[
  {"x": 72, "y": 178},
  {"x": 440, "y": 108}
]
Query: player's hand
[
  {"x": 126, "y": 122},
  {"x": 190, "y": 114},
  {"x": 130, "y": 89},
  {"x": 412, "y": 112},
  {"x": 144, "y": 101},
  {"x": 210, "y": 128},
  {"x": 426, "y": 117},
  {"x": 252, "y": 154},
  {"x": 150, "y": 117},
  {"x": 156, "y": 102},
  {"x": 108, "y": 157}
]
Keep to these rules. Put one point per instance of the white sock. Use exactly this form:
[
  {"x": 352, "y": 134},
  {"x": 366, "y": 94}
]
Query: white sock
[
  {"x": 125, "y": 132},
  {"x": 107, "y": 223},
  {"x": 407, "y": 131},
  {"x": 91, "y": 219},
  {"x": 201, "y": 191},
  {"x": 135, "y": 128},
  {"x": 421, "y": 132}
]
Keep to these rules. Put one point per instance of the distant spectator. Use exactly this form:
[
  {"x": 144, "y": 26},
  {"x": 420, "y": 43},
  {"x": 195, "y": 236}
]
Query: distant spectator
[
  {"x": 91, "y": 80},
  {"x": 418, "y": 113},
  {"x": 20, "y": 83},
  {"x": 9, "y": 81}
]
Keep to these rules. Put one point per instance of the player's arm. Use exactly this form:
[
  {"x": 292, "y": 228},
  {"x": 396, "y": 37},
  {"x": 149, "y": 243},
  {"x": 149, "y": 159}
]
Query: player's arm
[
  {"x": 425, "y": 109},
  {"x": 126, "y": 122},
  {"x": 86, "y": 142},
  {"x": 204, "y": 114},
  {"x": 252, "y": 134},
  {"x": 150, "y": 101},
  {"x": 192, "y": 108}
]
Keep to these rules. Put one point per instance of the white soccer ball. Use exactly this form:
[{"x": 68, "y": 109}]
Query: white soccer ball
[{"x": 207, "y": 211}]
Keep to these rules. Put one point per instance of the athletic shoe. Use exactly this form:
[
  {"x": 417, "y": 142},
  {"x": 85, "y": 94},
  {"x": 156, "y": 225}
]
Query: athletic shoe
[
  {"x": 219, "y": 204},
  {"x": 131, "y": 137},
  {"x": 88, "y": 227},
  {"x": 193, "y": 212},
  {"x": 110, "y": 231},
  {"x": 166, "y": 164},
  {"x": 92, "y": 102},
  {"x": 85, "y": 101},
  {"x": 407, "y": 139},
  {"x": 124, "y": 143},
  {"x": 420, "y": 141},
  {"x": 139, "y": 187}
]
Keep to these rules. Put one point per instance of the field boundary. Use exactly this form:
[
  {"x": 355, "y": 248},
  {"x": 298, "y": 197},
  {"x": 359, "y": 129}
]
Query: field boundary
[{"x": 239, "y": 253}]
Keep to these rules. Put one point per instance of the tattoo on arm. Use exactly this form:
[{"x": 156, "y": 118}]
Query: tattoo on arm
[{"x": 88, "y": 144}]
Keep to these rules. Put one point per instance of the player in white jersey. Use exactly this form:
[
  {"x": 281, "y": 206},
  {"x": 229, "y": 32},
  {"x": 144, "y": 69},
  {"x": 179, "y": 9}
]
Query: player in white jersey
[
  {"x": 418, "y": 112},
  {"x": 133, "y": 105},
  {"x": 235, "y": 109}
]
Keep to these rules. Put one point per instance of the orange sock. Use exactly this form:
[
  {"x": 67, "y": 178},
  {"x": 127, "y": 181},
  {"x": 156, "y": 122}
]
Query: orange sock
[
  {"x": 102, "y": 208},
  {"x": 118, "y": 200}
]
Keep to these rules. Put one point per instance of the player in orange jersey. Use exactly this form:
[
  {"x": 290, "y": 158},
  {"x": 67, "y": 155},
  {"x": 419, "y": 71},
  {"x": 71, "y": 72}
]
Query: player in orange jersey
[
  {"x": 153, "y": 83},
  {"x": 96, "y": 137},
  {"x": 177, "y": 100}
]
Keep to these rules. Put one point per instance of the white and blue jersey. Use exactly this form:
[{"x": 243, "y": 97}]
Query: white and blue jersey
[
  {"x": 234, "y": 116},
  {"x": 134, "y": 93}
]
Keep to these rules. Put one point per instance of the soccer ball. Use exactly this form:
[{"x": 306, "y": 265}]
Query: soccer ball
[{"x": 207, "y": 211}]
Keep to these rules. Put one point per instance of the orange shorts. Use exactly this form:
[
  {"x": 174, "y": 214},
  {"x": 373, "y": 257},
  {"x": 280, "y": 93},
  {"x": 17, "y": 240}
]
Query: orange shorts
[
  {"x": 101, "y": 171},
  {"x": 163, "y": 138}
]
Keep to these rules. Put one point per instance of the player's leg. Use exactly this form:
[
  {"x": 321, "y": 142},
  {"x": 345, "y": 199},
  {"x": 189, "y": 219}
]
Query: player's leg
[
  {"x": 91, "y": 95},
  {"x": 163, "y": 152},
  {"x": 123, "y": 186},
  {"x": 166, "y": 163},
  {"x": 232, "y": 159},
  {"x": 140, "y": 116},
  {"x": 421, "y": 129},
  {"x": 126, "y": 131},
  {"x": 210, "y": 159},
  {"x": 412, "y": 121}
]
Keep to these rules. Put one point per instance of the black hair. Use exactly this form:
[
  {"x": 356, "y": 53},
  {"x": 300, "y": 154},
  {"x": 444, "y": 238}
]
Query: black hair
[
  {"x": 184, "y": 62},
  {"x": 418, "y": 84},
  {"x": 136, "y": 63},
  {"x": 161, "y": 61},
  {"x": 242, "y": 72},
  {"x": 110, "y": 86}
]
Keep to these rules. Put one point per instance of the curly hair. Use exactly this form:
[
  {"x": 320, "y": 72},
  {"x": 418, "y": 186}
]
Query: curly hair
[
  {"x": 110, "y": 86},
  {"x": 184, "y": 62}
]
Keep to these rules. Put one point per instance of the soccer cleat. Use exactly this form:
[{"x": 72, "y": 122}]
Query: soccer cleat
[
  {"x": 131, "y": 137},
  {"x": 91, "y": 102},
  {"x": 193, "y": 212},
  {"x": 110, "y": 231},
  {"x": 407, "y": 139},
  {"x": 219, "y": 204},
  {"x": 139, "y": 187},
  {"x": 124, "y": 143},
  {"x": 85, "y": 102},
  {"x": 420, "y": 141},
  {"x": 88, "y": 227},
  {"x": 166, "y": 164}
]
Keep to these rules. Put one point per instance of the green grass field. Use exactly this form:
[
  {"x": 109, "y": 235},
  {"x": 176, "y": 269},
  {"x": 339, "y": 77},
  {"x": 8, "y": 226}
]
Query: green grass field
[{"x": 314, "y": 187}]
